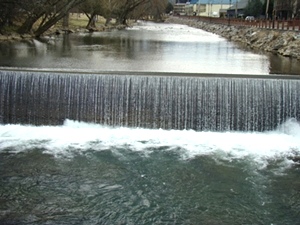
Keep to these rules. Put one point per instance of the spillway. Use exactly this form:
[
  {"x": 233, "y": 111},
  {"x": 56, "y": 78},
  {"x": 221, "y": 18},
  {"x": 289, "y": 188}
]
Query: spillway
[{"x": 149, "y": 100}]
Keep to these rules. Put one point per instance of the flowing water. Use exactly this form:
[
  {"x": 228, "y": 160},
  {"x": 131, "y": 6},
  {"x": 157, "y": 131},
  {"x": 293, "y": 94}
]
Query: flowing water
[
  {"x": 80, "y": 173},
  {"x": 144, "y": 47},
  {"x": 149, "y": 100},
  {"x": 81, "y": 146}
]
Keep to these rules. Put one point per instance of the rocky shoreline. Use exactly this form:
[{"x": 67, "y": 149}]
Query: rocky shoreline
[
  {"x": 285, "y": 43},
  {"x": 13, "y": 36}
]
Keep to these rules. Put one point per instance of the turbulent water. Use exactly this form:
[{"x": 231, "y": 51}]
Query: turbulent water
[
  {"x": 149, "y": 100},
  {"x": 82, "y": 173}
]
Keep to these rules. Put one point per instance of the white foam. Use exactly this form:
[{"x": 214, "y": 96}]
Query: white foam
[
  {"x": 78, "y": 137},
  {"x": 175, "y": 33}
]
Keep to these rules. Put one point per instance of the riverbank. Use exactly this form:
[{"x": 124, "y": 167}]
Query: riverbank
[
  {"x": 77, "y": 24},
  {"x": 285, "y": 43}
]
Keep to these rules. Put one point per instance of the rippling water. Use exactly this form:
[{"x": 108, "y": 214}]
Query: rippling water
[{"x": 81, "y": 173}]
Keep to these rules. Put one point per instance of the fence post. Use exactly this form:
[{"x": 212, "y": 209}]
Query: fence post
[{"x": 293, "y": 21}]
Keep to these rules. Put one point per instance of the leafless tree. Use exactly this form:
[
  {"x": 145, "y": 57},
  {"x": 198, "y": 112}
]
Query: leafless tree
[
  {"x": 45, "y": 13},
  {"x": 38, "y": 16},
  {"x": 284, "y": 8},
  {"x": 92, "y": 8},
  {"x": 125, "y": 9},
  {"x": 9, "y": 11},
  {"x": 153, "y": 9}
]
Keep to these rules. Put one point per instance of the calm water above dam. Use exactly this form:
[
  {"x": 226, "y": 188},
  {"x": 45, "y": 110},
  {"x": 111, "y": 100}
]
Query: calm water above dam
[
  {"x": 145, "y": 47},
  {"x": 145, "y": 148}
]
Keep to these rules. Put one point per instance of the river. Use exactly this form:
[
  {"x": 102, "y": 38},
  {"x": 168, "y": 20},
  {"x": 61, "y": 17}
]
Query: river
[
  {"x": 94, "y": 129},
  {"x": 145, "y": 47}
]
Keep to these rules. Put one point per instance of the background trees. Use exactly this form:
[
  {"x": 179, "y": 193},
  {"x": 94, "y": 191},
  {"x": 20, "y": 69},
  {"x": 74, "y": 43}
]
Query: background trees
[
  {"x": 92, "y": 8},
  {"x": 287, "y": 9},
  {"x": 153, "y": 9},
  {"x": 254, "y": 8},
  {"x": 280, "y": 9},
  {"x": 8, "y": 12},
  {"x": 46, "y": 13},
  {"x": 37, "y": 16}
]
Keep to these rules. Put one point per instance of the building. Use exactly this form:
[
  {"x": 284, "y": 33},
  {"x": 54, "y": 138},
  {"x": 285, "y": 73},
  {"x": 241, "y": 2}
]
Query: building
[
  {"x": 179, "y": 9},
  {"x": 210, "y": 8},
  {"x": 237, "y": 9}
]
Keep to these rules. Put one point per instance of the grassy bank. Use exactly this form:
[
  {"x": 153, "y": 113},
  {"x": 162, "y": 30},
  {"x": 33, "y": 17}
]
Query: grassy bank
[
  {"x": 80, "y": 21},
  {"x": 77, "y": 22}
]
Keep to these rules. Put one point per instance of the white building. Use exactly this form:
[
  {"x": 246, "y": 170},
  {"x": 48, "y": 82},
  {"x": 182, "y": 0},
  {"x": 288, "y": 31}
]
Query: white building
[{"x": 210, "y": 8}]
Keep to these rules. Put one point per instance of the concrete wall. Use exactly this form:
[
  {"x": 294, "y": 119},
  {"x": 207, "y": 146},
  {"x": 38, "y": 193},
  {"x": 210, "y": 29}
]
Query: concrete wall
[{"x": 211, "y": 10}]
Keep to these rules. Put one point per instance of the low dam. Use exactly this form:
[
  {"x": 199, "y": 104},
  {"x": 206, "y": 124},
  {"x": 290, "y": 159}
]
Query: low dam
[{"x": 149, "y": 100}]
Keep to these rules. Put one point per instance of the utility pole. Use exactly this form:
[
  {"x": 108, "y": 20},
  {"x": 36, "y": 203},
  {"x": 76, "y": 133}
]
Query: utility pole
[
  {"x": 267, "y": 9},
  {"x": 274, "y": 13},
  {"x": 236, "y": 8},
  {"x": 229, "y": 12},
  {"x": 199, "y": 7}
]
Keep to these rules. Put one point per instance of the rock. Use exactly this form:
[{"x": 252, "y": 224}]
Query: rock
[
  {"x": 286, "y": 43},
  {"x": 278, "y": 45},
  {"x": 58, "y": 32},
  {"x": 3, "y": 38},
  {"x": 101, "y": 28},
  {"x": 296, "y": 159},
  {"x": 92, "y": 29},
  {"x": 16, "y": 37},
  {"x": 26, "y": 36},
  {"x": 120, "y": 27},
  {"x": 67, "y": 31}
]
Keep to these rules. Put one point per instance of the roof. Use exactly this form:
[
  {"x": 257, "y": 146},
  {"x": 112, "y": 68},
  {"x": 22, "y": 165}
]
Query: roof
[
  {"x": 214, "y": 2},
  {"x": 239, "y": 5}
]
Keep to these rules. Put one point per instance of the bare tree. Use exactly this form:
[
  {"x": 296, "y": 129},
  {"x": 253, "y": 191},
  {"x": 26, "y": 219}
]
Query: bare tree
[
  {"x": 38, "y": 16},
  {"x": 284, "y": 8},
  {"x": 33, "y": 11},
  {"x": 154, "y": 9},
  {"x": 125, "y": 8},
  {"x": 44, "y": 13},
  {"x": 296, "y": 13},
  {"x": 92, "y": 8},
  {"x": 8, "y": 12},
  {"x": 267, "y": 8}
]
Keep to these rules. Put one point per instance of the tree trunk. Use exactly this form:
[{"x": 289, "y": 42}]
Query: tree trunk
[
  {"x": 107, "y": 21},
  {"x": 92, "y": 21},
  {"x": 48, "y": 25},
  {"x": 61, "y": 13},
  {"x": 66, "y": 21},
  {"x": 121, "y": 19},
  {"x": 267, "y": 9},
  {"x": 27, "y": 25}
]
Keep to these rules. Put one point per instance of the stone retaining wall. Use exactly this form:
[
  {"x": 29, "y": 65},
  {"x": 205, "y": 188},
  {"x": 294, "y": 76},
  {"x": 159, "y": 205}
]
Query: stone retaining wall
[{"x": 286, "y": 43}]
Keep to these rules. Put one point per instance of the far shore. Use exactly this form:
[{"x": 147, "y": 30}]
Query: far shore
[
  {"x": 77, "y": 24},
  {"x": 285, "y": 43}
]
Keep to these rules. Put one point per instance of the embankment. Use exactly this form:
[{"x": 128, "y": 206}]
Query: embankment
[{"x": 286, "y": 43}]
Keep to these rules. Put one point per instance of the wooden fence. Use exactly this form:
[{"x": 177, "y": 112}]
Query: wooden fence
[{"x": 293, "y": 25}]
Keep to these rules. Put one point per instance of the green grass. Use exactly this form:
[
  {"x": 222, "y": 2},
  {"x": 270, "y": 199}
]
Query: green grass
[{"x": 80, "y": 21}]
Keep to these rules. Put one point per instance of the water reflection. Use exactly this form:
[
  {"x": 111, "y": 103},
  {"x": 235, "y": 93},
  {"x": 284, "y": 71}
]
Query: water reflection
[
  {"x": 145, "y": 47},
  {"x": 284, "y": 65}
]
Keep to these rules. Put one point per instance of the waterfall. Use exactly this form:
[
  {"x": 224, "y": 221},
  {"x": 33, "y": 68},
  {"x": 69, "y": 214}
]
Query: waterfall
[{"x": 133, "y": 100}]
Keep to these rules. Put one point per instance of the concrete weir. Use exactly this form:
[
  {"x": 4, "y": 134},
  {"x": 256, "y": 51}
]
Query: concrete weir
[{"x": 214, "y": 102}]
